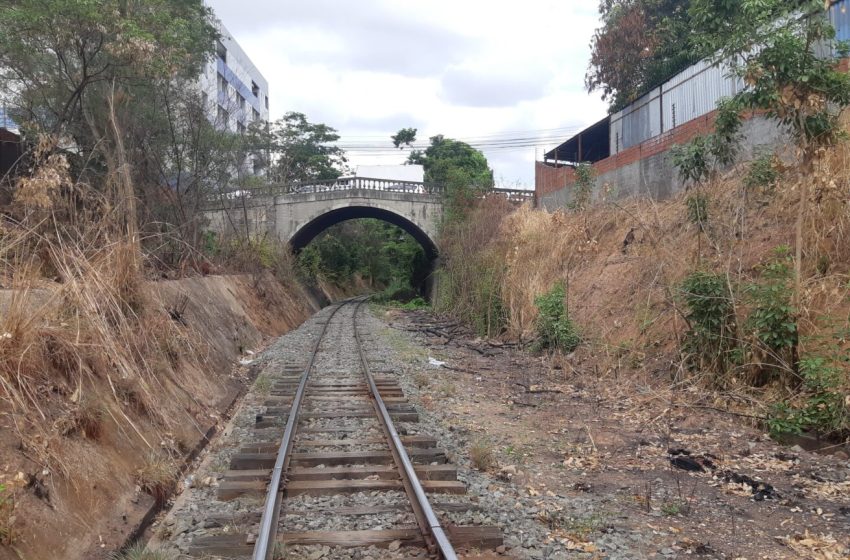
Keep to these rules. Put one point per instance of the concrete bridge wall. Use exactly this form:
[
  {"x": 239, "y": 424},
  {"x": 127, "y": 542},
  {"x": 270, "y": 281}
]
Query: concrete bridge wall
[{"x": 297, "y": 218}]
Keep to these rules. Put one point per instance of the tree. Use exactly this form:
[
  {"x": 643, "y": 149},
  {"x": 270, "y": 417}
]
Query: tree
[
  {"x": 94, "y": 72},
  {"x": 404, "y": 137},
  {"x": 63, "y": 59},
  {"x": 777, "y": 48},
  {"x": 448, "y": 162},
  {"x": 302, "y": 151},
  {"x": 460, "y": 169},
  {"x": 641, "y": 44}
]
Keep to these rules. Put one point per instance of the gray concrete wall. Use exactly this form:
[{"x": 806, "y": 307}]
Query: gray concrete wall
[
  {"x": 259, "y": 213},
  {"x": 284, "y": 216},
  {"x": 293, "y": 212},
  {"x": 656, "y": 176}
]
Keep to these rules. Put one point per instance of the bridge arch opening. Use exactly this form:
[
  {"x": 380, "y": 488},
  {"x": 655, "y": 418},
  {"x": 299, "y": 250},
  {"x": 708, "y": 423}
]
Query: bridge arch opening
[
  {"x": 309, "y": 231},
  {"x": 421, "y": 279}
]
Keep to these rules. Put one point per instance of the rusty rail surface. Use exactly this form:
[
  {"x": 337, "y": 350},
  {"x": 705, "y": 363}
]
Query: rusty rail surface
[
  {"x": 264, "y": 547},
  {"x": 432, "y": 532}
]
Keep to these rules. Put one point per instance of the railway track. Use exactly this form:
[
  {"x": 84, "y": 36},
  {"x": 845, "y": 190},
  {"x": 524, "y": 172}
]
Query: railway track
[{"x": 340, "y": 466}]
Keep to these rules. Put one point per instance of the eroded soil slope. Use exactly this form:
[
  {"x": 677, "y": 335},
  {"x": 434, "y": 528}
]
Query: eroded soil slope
[{"x": 85, "y": 469}]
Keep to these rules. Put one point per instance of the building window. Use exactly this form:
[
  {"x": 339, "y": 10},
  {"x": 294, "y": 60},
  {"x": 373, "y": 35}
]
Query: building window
[
  {"x": 223, "y": 117},
  {"x": 255, "y": 89},
  {"x": 258, "y": 166},
  {"x": 267, "y": 102},
  {"x": 221, "y": 51},
  {"x": 240, "y": 128},
  {"x": 222, "y": 84},
  {"x": 256, "y": 115},
  {"x": 241, "y": 101},
  {"x": 205, "y": 99}
]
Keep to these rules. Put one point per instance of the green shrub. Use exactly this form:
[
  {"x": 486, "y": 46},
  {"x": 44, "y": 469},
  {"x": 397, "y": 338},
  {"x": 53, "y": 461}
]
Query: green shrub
[
  {"x": 583, "y": 188},
  {"x": 398, "y": 290},
  {"x": 711, "y": 340},
  {"x": 821, "y": 407},
  {"x": 414, "y": 304},
  {"x": 554, "y": 326},
  {"x": 773, "y": 319},
  {"x": 763, "y": 174}
]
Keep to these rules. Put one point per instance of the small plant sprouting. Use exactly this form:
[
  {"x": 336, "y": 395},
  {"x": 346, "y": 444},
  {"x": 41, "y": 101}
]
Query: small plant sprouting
[
  {"x": 140, "y": 552},
  {"x": 7, "y": 516},
  {"x": 671, "y": 509}
]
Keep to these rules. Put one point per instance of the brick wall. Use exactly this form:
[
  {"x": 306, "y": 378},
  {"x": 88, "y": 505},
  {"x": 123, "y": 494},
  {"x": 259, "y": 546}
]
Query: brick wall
[{"x": 548, "y": 179}]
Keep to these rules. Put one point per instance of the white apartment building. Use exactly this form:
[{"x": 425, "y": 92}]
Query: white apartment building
[{"x": 236, "y": 92}]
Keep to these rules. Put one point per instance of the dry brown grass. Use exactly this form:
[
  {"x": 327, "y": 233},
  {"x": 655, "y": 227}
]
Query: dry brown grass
[
  {"x": 626, "y": 299},
  {"x": 157, "y": 477},
  {"x": 85, "y": 346},
  {"x": 482, "y": 455}
]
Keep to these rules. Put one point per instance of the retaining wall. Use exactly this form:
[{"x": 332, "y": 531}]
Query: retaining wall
[{"x": 647, "y": 169}]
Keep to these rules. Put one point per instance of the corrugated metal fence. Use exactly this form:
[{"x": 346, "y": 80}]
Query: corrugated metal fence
[{"x": 689, "y": 95}]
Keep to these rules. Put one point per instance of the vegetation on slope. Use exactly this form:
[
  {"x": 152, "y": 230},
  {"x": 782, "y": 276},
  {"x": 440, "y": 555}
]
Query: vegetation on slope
[
  {"x": 97, "y": 365},
  {"x": 738, "y": 286}
]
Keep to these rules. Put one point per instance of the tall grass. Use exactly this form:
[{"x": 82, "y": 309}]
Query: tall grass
[
  {"x": 626, "y": 261},
  {"x": 473, "y": 270},
  {"x": 83, "y": 341}
]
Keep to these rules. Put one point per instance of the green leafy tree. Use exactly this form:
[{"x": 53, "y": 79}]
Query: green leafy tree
[
  {"x": 640, "y": 45},
  {"x": 460, "y": 169},
  {"x": 95, "y": 73},
  {"x": 404, "y": 137},
  {"x": 63, "y": 59},
  {"x": 778, "y": 48},
  {"x": 302, "y": 151},
  {"x": 384, "y": 255}
]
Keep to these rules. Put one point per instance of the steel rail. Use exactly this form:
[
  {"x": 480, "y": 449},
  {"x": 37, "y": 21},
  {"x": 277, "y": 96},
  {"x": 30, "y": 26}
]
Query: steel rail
[
  {"x": 432, "y": 527},
  {"x": 263, "y": 548}
]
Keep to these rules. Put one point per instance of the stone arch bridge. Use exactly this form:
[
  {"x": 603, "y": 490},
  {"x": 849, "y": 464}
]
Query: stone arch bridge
[{"x": 297, "y": 213}]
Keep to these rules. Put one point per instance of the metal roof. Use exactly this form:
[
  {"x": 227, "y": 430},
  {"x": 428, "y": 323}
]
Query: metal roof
[{"x": 590, "y": 145}]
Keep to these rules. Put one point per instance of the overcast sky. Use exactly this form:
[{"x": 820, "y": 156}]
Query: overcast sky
[{"x": 467, "y": 69}]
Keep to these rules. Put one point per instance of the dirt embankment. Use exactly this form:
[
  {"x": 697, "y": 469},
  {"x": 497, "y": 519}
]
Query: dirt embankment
[{"x": 106, "y": 441}]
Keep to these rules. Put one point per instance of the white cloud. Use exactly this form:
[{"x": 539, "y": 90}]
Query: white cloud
[{"x": 463, "y": 69}]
